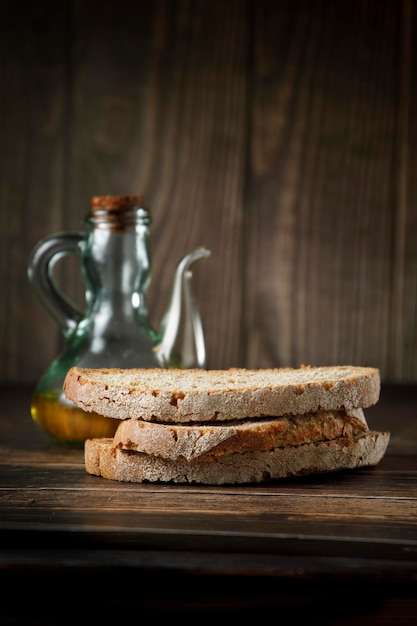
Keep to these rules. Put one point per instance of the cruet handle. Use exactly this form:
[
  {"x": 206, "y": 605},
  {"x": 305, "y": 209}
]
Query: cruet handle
[{"x": 40, "y": 273}]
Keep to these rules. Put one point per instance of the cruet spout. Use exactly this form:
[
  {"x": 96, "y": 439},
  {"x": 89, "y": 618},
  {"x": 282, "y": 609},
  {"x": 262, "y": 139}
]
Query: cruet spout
[{"x": 182, "y": 342}]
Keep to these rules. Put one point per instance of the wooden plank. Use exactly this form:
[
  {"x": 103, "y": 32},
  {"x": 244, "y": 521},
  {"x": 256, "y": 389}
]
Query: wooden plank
[
  {"x": 324, "y": 136},
  {"x": 403, "y": 335},
  {"x": 33, "y": 49},
  {"x": 268, "y": 508},
  {"x": 161, "y": 520}
]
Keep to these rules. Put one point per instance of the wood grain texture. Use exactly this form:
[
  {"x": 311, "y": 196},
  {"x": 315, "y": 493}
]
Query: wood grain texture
[
  {"x": 281, "y": 135},
  {"x": 34, "y": 40},
  {"x": 404, "y": 291},
  {"x": 326, "y": 88}
]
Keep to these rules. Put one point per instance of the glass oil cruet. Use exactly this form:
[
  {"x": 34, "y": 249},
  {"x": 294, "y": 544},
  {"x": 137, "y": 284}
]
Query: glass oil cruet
[{"x": 115, "y": 329}]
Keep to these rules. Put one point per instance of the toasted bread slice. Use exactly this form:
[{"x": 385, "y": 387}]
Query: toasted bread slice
[
  {"x": 181, "y": 396},
  {"x": 102, "y": 459},
  {"x": 207, "y": 441}
]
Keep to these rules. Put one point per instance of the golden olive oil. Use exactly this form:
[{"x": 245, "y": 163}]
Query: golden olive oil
[{"x": 68, "y": 424}]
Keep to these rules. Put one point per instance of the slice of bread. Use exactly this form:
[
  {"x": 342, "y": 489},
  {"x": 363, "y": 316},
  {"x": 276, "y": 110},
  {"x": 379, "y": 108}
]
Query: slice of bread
[
  {"x": 181, "y": 396},
  {"x": 208, "y": 441},
  {"x": 102, "y": 459}
]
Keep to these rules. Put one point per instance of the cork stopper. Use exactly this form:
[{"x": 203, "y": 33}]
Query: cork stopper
[
  {"x": 118, "y": 213},
  {"x": 116, "y": 203}
]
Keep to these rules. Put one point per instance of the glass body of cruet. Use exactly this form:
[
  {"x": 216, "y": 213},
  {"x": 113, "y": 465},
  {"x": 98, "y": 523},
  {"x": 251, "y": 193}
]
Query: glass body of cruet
[{"x": 115, "y": 330}]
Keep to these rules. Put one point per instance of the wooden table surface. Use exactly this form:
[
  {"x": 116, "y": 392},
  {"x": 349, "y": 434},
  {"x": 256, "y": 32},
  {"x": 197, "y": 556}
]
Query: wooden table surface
[{"x": 250, "y": 547}]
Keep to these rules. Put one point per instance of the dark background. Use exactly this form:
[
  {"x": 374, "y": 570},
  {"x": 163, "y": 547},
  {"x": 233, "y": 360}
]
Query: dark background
[{"x": 281, "y": 134}]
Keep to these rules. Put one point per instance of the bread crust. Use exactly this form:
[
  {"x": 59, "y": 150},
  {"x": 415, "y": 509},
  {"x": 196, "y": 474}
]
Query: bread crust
[
  {"x": 182, "y": 396},
  {"x": 208, "y": 441},
  {"x": 102, "y": 459}
]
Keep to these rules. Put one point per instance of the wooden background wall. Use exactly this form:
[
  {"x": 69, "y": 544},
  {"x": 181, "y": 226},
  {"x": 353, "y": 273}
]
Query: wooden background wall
[{"x": 282, "y": 134}]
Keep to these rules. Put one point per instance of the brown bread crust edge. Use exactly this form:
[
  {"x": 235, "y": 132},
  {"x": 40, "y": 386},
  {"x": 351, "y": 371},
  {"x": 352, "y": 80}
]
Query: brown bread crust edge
[{"x": 101, "y": 459}]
